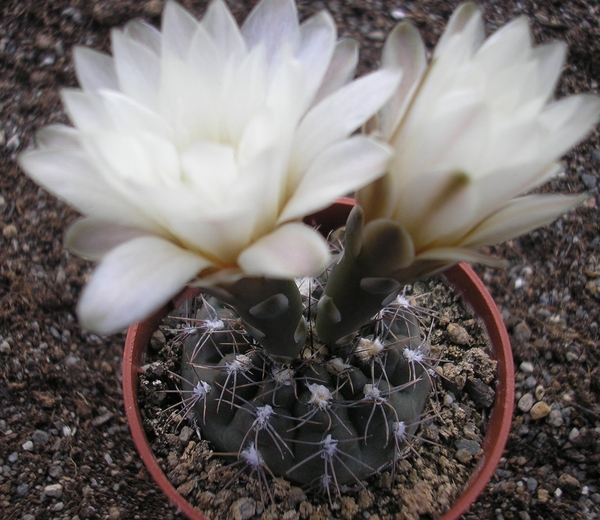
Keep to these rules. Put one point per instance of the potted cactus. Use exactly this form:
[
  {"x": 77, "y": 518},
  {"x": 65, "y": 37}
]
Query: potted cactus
[{"x": 198, "y": 150}]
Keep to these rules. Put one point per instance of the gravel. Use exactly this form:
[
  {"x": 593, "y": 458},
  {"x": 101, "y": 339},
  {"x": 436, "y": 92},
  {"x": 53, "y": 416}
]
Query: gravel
[{"x": 56, "y": 378}]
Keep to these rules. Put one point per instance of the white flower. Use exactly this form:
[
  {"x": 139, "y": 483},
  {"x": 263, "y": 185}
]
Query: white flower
[
  {"x": 197, "y": 150},
  {"x": 471, "y": 131}
]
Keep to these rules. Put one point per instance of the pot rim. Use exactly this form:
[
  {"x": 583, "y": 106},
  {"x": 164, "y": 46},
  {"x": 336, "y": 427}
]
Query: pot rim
[{"x": 463, "y": 280}]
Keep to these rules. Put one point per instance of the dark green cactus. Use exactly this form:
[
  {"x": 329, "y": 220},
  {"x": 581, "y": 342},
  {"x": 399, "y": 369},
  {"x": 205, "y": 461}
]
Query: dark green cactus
[{"x": 325, "y": 419}]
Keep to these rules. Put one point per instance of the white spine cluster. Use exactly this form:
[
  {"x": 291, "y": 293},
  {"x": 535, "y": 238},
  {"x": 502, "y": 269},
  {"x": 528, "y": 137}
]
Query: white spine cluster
[
  {"x": 320, "y": 396},
  {"x": 368, "y": 348},
  {"x": 252, "y": 457},
  {"x": 241, "y": 363},
  {"x": 201, "y": 390}
]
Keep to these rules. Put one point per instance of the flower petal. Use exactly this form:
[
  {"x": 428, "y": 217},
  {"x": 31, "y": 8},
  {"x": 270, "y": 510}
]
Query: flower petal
[
  {"x": 133, "y": 281},
  {"x": 93, "y": 238},
  {"x": 317, "y": 45},
  {"x": 340, "y": 114},
  {"x": 86, "y": 110},
  {"x": 145, "y": 34},
  {"x": 520, "y": 216},
  {"x": 291, "y": 251},
  {"x": 271, "y": 23},
  {"x": 404, "y": 50},
  {"x": 70, "y": 176},
  {"x": 341, "y": 68},
  {"x": 567, "y": 122},
  {"x": 464, "y": 32},
  {"x": 138, "y": 68},
  {"x": 340, "y": 169},
  {"x": 94, "y": 70},
  {"x": 57, "y": 136},
  {"x": 178, "y": 28},
  {"x": 223, "y": 29}
]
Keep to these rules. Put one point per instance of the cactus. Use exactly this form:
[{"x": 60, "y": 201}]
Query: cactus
[{"x": 322, "y": 415}]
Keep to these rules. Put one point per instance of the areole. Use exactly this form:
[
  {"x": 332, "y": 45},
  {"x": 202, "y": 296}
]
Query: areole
[{"x": 463, "y": 280}]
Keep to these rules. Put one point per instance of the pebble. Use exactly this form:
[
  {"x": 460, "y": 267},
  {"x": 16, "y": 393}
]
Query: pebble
[
  {"x": 3, "y": 204},
  {"x": 539, "y": 392},
  {"x": 589, "y": 181},
  {"x": 526, "y": 402},
  {"x": 22, "y": 489},
  {"x": 539, "y": 410},
  {"x": 13, "y": 457},
  {"x": 27, "y": 446},
  {"x": 40, "y": 437},
  {"x": 573, "y": 434},
  {"x": 555, "y": 418},
  {"x": 522, "y": 332},
  {"x": 28, "y": 517},
  {"x": 158, "y": 341},
  {"x": 55, "y": 471},
  {"x": 483, "y": 395},
  {"x": 13, "y": 143},
  {"x": 569, "y": 482},
  {"x": 458, "y": 334},
  {"x": 532, "y": 484},
  {"x": 186, "y": 434},
  {"x": 530, "y": 382},
  {"x": 463, "y": 456},
  {"x": 53, "y": 490},
  {"x": 5, "y": 347},
  {"x": 398, "y": 14},
  {"x": 9, "y": 231},
  {"x": 243, "y": 509},
  {"x": 473, "y": 447},
  {"x": 526, "y": 367}
]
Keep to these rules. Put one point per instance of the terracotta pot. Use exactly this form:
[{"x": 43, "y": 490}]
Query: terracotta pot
[{"x": 463, "y": 280}]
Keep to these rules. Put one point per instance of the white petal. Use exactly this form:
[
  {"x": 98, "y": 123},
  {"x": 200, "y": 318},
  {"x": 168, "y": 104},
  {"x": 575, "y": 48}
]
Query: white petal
[
  {"x": 94, "y": 70},
  {"x": 178, "y": 28},
  {"x": 339, "y": 170},
  {"x": 341, "y": 68},
  {"x": 510, "y": 44},
  {"x": 291, "y": 251},
  {"x": 210, "y": 167},
  {"x": 464, "y": 31},
  {"x": 551, "y": 59},
  {"x": 453, "y": 255},
  {"x": 223, "y": 29},
  {"x": 133, "y": 281},
  {"x": 70, "y": 176},
  {"x": 93, "y": 238},
  {"x": 57, "y": 136},
  {"x": 317, "y": 44},
  {"x": 340, "y": 114},
  {"x": 129, "y": 116},
  {"x": 519, "y": 216},
  {"x": 271, "y": 22},
  {"x": 568, "y": 121},
  {"x": 85, "y": 110},
  {"x": 145, "y": 34},
  {"x": 138, "y": 69},
  {"x": 404, "y": 50}
]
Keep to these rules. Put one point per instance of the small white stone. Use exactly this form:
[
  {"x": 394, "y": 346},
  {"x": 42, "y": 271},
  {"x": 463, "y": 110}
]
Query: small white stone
[
  {"x": 27, "y": 446},
  {"x": 53, "y": 490},
  {"x": 398, "y": 14},
  {"x": 526, "y": 367}
]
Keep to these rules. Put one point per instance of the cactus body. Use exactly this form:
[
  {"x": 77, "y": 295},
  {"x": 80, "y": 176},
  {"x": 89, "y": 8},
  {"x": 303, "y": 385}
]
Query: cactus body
[{"x": 328, "y": 417}]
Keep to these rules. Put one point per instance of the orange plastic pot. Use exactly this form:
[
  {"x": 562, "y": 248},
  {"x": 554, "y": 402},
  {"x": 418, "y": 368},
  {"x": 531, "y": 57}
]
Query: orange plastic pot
[{"x": 462, "y": 279}]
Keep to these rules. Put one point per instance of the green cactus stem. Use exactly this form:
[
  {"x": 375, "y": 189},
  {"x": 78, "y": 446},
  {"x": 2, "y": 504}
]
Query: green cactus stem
[
  {"x": 271, "y": 311},
  {"x": 362, "y": 281},
  {"x": 324, "y": 420}
]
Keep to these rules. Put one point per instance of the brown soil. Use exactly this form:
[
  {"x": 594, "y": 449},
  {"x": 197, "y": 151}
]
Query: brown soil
[{"x": 65, "y": 449}]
